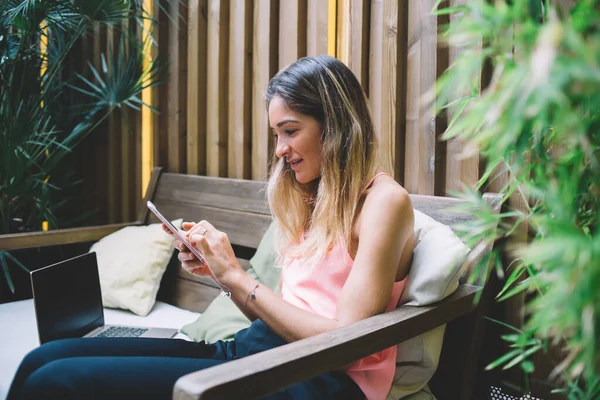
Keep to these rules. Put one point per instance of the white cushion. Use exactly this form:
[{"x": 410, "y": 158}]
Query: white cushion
[
  {"x": 433, "y": 276},
  {"x": 131, "y": 263},
  {"x": 19, "y": 335},
  {"x": 437, "y": 258}
]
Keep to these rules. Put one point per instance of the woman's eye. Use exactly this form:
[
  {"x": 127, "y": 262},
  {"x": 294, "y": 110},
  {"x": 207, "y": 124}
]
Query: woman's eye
[{"x": 290, "y": 131}]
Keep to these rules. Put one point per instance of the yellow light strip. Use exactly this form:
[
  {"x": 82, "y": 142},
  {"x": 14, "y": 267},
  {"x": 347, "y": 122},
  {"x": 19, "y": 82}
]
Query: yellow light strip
[
  {"x": 147, "y": 160},
  {"x": 332, "y": 28}
]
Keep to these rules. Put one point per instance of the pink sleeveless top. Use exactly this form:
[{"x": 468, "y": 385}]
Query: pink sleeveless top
[{"x": 317, "y": 288}]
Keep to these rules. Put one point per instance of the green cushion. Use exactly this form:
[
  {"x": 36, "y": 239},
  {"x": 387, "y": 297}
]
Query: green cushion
[{"x": 222, "y": 319}]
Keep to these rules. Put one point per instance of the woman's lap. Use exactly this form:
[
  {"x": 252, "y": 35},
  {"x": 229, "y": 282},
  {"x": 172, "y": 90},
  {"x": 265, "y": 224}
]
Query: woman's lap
[{"x": 132, "y": 367}]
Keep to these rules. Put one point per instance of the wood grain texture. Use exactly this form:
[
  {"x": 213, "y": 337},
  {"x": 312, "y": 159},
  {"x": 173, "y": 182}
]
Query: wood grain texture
[
  {"x": 413, "y": 92},
  {"x": 316, "y": 27},
  {"x": 265, "y": 372},
  {"x": 177, "y": 88},
  {"x": 264, "y": 67},
  {"x": 382, "y": 79},
  {"x": 292, "y": 27},
  {"x": 353, "y": 38},
  {"x": 240, "y": 90},
  {"x": 196, "y": 88},
  {"x": 59, "y": 236},
  {"x": 216, "y": 88}
]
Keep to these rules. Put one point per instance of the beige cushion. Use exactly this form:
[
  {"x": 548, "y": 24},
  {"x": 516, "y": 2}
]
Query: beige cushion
[
  {"x": 434, "y": 275},
  {"x": 131, "y": 263}
]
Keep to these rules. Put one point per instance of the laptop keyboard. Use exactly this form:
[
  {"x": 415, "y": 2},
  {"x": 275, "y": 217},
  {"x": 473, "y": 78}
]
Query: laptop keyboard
[{"x": 121, "y": 331}]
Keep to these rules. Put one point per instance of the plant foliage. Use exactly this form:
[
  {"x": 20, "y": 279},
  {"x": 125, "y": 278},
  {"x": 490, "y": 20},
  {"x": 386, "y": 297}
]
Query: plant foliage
[
  {"x": 51, "y": 99},
  {"x": 538, "y": 120}
]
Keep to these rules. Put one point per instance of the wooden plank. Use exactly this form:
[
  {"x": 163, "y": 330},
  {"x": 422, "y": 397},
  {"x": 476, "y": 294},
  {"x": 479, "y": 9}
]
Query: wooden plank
[
  {"x": 240, "y": 94},
  {"x": 228, "y": 193},
  {"x": 316, "y": 27},
  {"x": 187, "y": 294},
  {"x": 264, "y": 66},
  {"x": 59, "y": 236},
  {"x": 244, "y": 229},
  {"x": 216, "y": 88},
  {"x": 162, "y": 31},
  {"x": 266, "y": 372},
  {"x": 353, "y": 40},
  {"x": 114, "y": 144},
  {"x": 401, "y": 92},
  {"x": 143, "y": 211},
  {"x": 196, "y": 90},
  {"x": 292, "y": 31},
  {"x": 177, "y": 88},
  {"x": 413, "y": 90},
  {"x": 382, "y": 85},
  {"x": 427, "y": 137},
  {"x": 441, "y": 119}
]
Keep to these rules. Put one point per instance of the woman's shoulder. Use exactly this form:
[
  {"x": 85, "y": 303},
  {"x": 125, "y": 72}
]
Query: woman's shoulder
[{"x": 386, "y": 196}]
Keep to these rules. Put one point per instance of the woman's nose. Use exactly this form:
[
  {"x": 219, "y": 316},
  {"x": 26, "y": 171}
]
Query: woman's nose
[{"x": 282, "y": 149}]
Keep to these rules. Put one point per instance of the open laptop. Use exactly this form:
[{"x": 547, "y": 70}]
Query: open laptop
[{"x": 68, "y": 303}]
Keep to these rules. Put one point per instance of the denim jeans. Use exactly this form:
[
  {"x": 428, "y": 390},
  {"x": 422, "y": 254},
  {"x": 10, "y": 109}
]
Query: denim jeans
[{"x": 131, "y": 368}]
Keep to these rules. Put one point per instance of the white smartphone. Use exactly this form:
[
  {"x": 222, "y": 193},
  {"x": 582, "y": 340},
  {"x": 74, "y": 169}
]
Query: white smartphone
[{"x": 176, "y": 232}]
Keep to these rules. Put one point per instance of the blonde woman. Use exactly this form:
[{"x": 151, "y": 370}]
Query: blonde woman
[{"x": 346, "y": 242}]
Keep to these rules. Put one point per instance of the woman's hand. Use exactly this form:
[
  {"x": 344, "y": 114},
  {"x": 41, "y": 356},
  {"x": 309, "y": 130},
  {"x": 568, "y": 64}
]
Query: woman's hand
[{"x": 214, "y": 245}]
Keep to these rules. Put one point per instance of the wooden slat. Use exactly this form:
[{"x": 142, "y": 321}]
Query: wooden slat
[
  {"x": 162, "y": 32},
  {"x": 268, "y": 371},
  {"x": 428, "y": 70},
  {"x": 177, "y": 88},
  {"x": 244, "y": 229},
  {"x": 240, "y": 90},
  {"x": 353, "y": 37},
  {"x": 292, "y": 31},
  {"x": 264, "y": 66},
  {"x": 237, "y": 194},
  {"x": 438, "y": 207},
  {"x": 59, "y": 236},
  {"x": 382, "y": 85},
  {"x": 196, "y": 90},
  {"x": 460, "y": 170},
  {"x": 216, "y": 88},
  {"x": 114, "y": 144},
  {"x": 143, "y": 211},
  {"x": 187, "y": 294},
  {"x": 413, "y": 92},
  {"x": 316, "y": 27}
]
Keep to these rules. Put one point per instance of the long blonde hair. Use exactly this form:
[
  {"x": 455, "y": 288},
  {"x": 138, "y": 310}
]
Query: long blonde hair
[{"x": 312, "y": 218}]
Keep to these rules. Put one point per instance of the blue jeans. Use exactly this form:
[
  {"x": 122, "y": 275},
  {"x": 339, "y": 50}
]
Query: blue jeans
[{"x": 131, "y": 368}]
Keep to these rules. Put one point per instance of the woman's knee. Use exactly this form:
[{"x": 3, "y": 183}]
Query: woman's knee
[{"x": 62, "y": 379}]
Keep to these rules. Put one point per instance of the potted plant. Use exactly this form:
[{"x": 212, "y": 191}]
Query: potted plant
[
  {"x": 538, "y": 120},
  {"x": 49, "y": 104}
]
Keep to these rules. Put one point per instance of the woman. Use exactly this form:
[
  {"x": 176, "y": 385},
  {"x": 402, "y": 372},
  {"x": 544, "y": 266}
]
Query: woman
[{"x": 347, "y": 242}]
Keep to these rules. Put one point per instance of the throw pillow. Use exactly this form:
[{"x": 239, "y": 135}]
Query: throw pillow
[
  {"x": 222, "y": 319},
  {"x": 131, "y": 263}
]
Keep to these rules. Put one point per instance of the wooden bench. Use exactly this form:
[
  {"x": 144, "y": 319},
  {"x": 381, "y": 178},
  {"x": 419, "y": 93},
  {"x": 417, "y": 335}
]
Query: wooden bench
[{"x": 239, "y": 208}]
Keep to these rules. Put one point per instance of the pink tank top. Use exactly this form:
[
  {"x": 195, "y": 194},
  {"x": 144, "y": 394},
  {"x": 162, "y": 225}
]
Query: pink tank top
[{"x": 317, "y": 288}]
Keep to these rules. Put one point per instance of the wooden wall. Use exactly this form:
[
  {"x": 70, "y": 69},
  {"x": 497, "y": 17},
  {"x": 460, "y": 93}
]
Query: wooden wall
[{"x": 222, "y": 54}]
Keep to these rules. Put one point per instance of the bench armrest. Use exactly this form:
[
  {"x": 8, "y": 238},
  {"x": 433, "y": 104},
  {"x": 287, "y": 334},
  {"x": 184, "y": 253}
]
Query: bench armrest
[
  {"x": 274, "y": 369},
  {"x": 27, "y": 240}
]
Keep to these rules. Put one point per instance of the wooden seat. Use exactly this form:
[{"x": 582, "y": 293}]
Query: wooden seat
[{"x": 239, "y": 208}]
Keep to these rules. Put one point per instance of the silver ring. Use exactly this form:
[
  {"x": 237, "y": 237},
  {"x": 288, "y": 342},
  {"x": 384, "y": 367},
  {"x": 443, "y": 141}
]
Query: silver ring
[{"x": 203, "y": 232}]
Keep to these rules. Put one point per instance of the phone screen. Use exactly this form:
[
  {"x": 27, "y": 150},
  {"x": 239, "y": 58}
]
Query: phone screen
[{"x": 175, "y": 231}]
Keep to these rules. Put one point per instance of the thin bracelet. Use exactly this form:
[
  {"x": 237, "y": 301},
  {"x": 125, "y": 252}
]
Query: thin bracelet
[
  {"x": 225, "y": 293},
  {"x": 252, "y": 294}
]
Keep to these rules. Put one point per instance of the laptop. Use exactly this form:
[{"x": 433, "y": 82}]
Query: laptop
[{"x": 68, "y": 303}]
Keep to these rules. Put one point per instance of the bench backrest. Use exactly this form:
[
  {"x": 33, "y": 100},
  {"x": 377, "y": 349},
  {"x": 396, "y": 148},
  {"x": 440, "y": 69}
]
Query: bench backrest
[{"x": 239, "y": 208}]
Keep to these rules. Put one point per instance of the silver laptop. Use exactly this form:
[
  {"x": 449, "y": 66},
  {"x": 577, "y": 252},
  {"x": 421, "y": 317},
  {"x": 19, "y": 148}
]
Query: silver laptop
[{"x": 68, "y": 303}]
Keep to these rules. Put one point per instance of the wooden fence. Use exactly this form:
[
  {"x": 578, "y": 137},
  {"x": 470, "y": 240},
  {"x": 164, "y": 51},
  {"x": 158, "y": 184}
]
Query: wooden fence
[{"x": 222, "y": 54}]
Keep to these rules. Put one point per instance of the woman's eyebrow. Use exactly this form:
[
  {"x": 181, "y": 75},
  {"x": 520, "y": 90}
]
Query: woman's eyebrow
[{"x": 285, "y": 121}]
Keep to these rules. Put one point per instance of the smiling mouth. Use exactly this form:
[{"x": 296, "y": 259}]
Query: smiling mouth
[{"x": 295, "y": 163}]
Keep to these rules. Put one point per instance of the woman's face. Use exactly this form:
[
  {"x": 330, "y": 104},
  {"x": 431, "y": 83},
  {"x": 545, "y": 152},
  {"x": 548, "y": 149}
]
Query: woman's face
[{"x": 298, "y": 139}]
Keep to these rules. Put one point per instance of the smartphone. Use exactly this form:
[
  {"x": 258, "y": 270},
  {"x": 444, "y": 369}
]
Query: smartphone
[{"x": 176, "y": 232}]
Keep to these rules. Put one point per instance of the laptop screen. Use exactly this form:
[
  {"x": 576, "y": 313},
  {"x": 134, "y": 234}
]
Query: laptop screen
[{"x": 67, "y": 297}]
